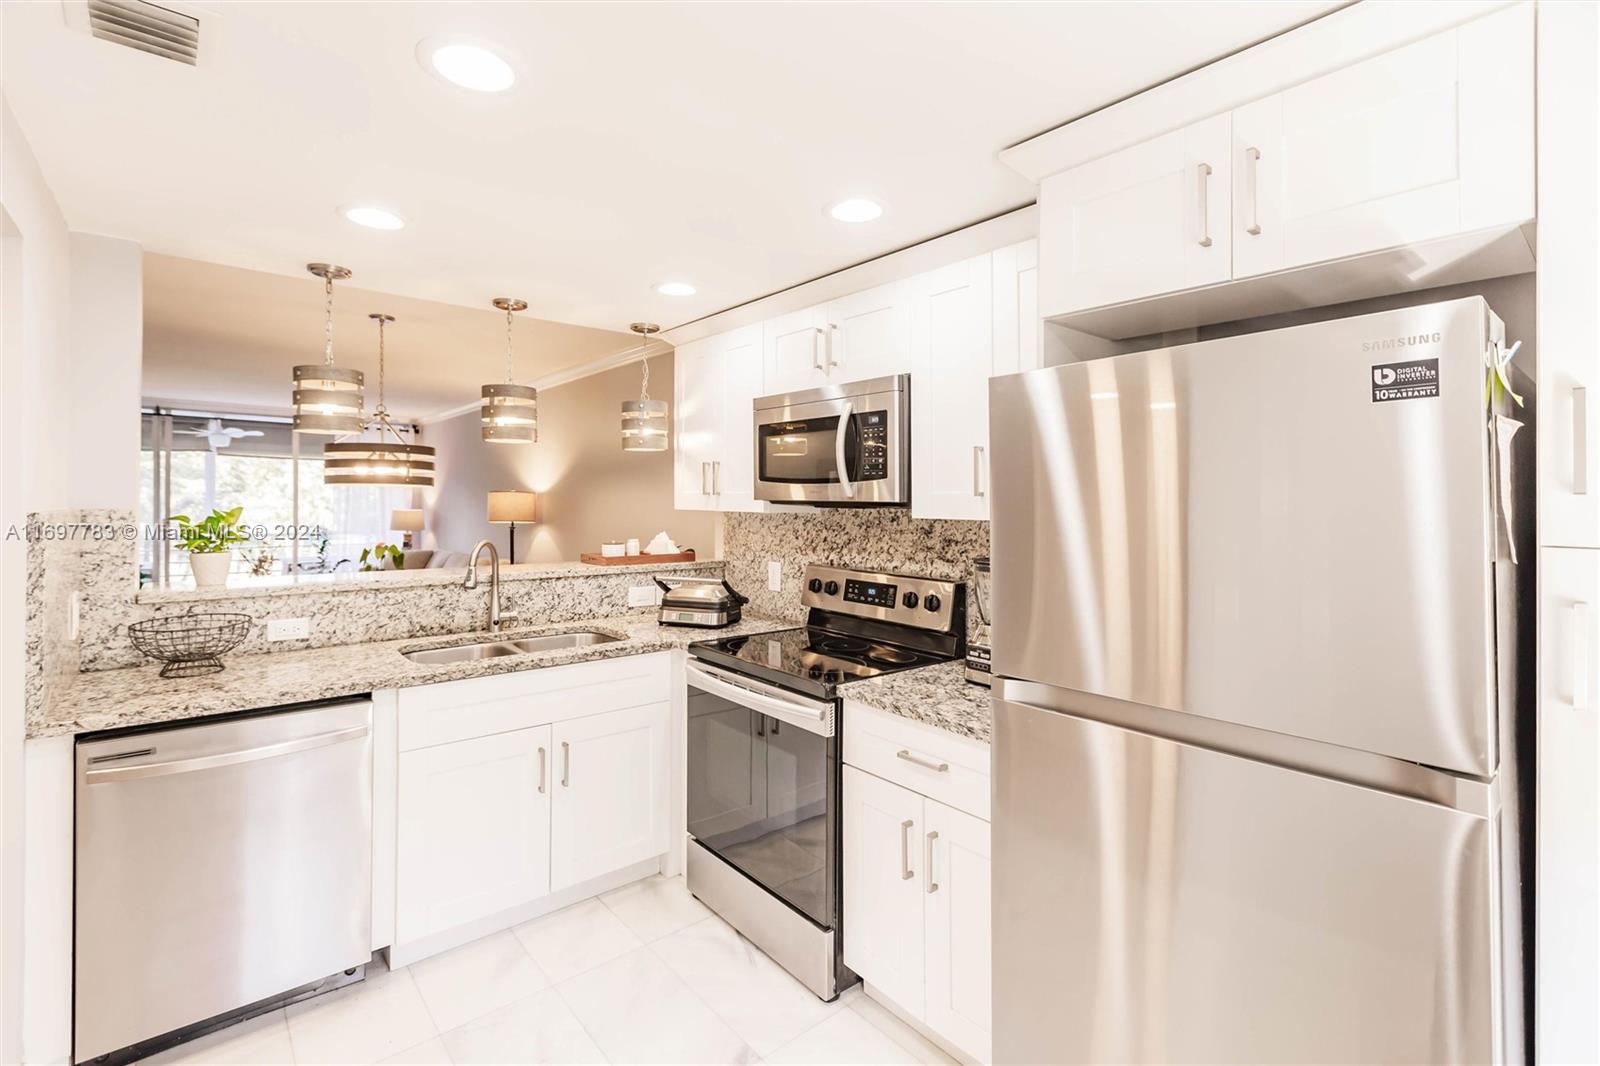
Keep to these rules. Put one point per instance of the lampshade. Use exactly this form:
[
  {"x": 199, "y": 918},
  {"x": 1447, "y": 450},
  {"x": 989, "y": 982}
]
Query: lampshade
[
  {"x": 406, "y": 519},
  {"x": 510, "y": 412},
  {"x": 512, "y": 506},
  {"x": 377, "y": 462},
  {"x": 644, "y": 421},
  {"x": 328, "y": 399}
]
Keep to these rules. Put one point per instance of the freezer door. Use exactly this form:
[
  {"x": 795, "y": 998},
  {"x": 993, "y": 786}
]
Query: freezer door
[
  {"x": 1161, "y": 902},
  {"x": 1252, "y": 529}
]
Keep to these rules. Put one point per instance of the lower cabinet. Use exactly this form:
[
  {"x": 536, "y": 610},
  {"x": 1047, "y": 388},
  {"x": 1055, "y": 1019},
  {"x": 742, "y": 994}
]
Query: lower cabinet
[
  {"x": 488, "y": 825},
  {"x": 916, "y": 898}
]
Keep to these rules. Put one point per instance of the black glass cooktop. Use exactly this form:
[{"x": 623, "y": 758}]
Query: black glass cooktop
[{"x": 811, "y": 659}]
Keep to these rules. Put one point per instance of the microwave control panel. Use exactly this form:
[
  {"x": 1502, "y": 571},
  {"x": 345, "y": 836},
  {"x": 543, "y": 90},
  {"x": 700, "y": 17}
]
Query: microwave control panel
[{"x": 872, "y": 429}]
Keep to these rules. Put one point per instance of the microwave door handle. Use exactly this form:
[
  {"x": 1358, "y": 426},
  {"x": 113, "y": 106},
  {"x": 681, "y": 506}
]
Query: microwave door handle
[{"x": 845, "y": 483}]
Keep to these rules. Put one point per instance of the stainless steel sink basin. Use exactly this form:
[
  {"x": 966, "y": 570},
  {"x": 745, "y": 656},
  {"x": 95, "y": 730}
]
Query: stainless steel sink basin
[
  {"x": 494, "y": 649},
  {"x": 550, "y": 641},
  {"x": 462, "y": 653}
]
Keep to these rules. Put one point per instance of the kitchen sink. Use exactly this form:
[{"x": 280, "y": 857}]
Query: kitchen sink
[
  {"x": 495, "y": 649},
  {"x": 550, "y": 641}
]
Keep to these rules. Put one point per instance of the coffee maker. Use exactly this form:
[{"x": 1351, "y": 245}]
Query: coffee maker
[{"x": 978, "y": 666}]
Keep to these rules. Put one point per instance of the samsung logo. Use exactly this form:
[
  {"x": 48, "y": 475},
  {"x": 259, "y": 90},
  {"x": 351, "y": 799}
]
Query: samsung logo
[{"x": 1389, "y": 343}]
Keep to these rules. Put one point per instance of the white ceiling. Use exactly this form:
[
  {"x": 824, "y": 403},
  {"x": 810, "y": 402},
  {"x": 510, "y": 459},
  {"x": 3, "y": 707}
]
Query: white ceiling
[
  {"x": 643, "y": 142},
  {"x": 222, "y": 338}
]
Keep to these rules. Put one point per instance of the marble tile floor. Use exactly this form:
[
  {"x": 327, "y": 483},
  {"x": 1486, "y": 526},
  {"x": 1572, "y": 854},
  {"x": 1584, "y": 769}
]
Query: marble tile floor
[{"x": 642, "y": 974}]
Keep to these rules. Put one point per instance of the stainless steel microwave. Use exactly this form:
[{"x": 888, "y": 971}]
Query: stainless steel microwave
[{"x": 840, "y": 445}]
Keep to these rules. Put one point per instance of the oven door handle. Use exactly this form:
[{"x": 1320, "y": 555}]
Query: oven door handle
[
  {"x": 845, "y": 483},
  {"x": 812, "y": 716}
]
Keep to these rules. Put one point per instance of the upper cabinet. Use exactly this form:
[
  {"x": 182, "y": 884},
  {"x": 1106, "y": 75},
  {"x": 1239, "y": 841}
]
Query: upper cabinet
[
  {"x": 1151, "y": 218},
  {"x": 1419, "y": 161},
  {"x": 716, "y": 379},
  {"x": 1423, "y": 142},
  {"x": 863, "y": 335}
]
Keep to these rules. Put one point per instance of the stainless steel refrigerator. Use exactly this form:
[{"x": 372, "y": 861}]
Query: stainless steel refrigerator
[{"x": 1256, "y": 750}]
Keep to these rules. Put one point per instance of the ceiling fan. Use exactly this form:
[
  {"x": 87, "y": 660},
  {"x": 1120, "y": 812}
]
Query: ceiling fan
[{"x": 217, "y": 436}]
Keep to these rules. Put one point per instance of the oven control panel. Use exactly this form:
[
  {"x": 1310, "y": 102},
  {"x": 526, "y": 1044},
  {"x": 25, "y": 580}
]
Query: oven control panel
[{"x": 904, "y": 599}]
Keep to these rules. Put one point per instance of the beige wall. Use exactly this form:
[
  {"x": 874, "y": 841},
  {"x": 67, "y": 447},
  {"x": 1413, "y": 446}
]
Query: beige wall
[{"x": 589, "y": 488}]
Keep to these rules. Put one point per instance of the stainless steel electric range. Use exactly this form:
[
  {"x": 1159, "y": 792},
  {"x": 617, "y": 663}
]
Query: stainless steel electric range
[{"x": 764, "y": 755}]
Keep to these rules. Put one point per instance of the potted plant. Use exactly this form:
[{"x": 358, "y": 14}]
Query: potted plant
[
  {"x": 209, "y": 543},
  {"x": 373, "y": 558}
]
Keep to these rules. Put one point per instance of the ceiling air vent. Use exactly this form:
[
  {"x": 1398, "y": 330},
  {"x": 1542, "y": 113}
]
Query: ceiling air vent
[{"x": 157, "y": 30}]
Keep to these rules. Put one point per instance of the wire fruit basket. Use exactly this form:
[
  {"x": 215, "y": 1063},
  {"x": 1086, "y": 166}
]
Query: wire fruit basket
[{"x": 190, "y": 644}]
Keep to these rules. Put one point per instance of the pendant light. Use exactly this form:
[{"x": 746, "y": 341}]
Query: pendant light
[
  {"x": 378, "y": 462},
  {"x": 510, "y": 411},
  {"x": 644, "y": 421},
  {"x": 327, "y": 398}
]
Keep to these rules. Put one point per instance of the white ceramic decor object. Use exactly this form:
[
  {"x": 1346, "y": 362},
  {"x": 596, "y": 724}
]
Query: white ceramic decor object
[{"x": 210, "y": 568}]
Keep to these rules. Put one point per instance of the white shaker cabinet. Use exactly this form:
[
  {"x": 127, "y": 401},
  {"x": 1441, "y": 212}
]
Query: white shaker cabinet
[
  {"x": 715, "y": 380},
  {"x": 883, "y": 937},
  {"x": 953, "y": 358},
  {"x": 474, "y": 836},
  {"x": 1147, "y": 219},
  {"x": 869, "y": 333},
  {"x": 1568, "y": 917},
  {"x": 956, "y": 921},
  {"x": 795, "y": 351},
  {"x": 1419, "y": 143},
  {"x": 609, "y": 774}
]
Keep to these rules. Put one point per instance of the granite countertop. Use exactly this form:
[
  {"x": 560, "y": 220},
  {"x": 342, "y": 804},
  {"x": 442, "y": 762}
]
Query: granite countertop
[
  {"x": 137, "y": 695},
  {"x": 281, "y": 584},
  {"x": 939, "y": 696}
]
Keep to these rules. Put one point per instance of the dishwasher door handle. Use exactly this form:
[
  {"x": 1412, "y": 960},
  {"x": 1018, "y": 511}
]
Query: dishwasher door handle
[{"x": 225, "y": 758}]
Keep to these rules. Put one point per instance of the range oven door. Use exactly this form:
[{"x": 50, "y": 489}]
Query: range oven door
[
  {"x": 842, "y": 444},
  {"x": 764, "y": 787}
]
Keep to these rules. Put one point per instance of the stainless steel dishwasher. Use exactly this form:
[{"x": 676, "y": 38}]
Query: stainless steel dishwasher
[{"x": 219, "y": 865}]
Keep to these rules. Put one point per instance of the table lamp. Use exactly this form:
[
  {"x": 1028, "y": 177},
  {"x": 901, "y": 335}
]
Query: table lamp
[
  {"x": 512, "y": 506},
  {"x": 407, "y": 520}
]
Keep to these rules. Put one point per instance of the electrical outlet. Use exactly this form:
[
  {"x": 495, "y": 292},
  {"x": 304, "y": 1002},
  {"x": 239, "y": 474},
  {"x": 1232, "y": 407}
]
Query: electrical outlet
[
  {"x": 288, "y": 628},
  {"x": 774, "y": 575},
  {"x": 643, "y": 596}
]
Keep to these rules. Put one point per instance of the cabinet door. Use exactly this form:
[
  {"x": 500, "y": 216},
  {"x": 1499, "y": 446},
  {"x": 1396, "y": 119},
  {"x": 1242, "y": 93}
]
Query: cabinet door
[
  {"x": 698, "y": 419},
  {"x": 1426, "y": 141},
  {"x": 1568, "y": 980},
  {"x": 883, "y": 936},
  {"x": 1015, "y": 319},
  {"x": 869, "y": 334},
  {"x": 1150, "y": 219},
  {"x": 473, "y": 830},
  {"x": 1569, "y": 277},
  {"x": 956, "y": 850},
  {"x": 610, "y": 793},
  {"x": 733, "y": 478},
  {"x": 954, "y": 355},
  {"x": 795, "y": 351}
]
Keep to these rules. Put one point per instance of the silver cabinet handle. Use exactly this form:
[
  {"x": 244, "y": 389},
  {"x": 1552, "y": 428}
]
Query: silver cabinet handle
[
  {"x": 1580, "y": 440},
  {"x": 705, "y": 483},
  {"x": 922, "y": 761},
  {"x": 927, "y": 861},
  {"x": 716, "y": 477},
  {"x": 977, "y": 470},
  {"x": 818, "y": 339},
  {"x": 1252, "y": 159},
  {"x": 541, "y": 771},
  {"x": 833, "y": 331},
  {"x": 1203, "y": 172},
  {"x": 1580, "y": 656},
  {"x": 226, "y": 758},
  {"x": 566, "y": 765},
  {"x": 905, "y": 850}
]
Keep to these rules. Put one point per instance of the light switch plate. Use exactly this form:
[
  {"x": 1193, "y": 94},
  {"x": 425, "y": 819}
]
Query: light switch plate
[
  {"x": 774, "y": 575},
  {"x": 643, "y": 596},
  {"x": 288, "y": 628}
]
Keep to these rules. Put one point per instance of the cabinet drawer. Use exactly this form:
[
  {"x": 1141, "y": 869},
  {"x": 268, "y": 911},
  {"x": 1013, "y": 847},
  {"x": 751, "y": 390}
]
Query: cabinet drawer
[
  {"x": 912, "y": 754},
  {"x": 459, "y": 710}
]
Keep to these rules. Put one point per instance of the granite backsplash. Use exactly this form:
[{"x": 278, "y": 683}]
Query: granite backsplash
[{"x": 874, "y": 538}]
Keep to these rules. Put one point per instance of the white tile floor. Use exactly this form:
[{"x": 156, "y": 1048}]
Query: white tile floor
[{"x": 644, "y": 974}]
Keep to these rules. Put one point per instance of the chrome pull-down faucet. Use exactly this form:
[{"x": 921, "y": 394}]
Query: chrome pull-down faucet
[{"x": 495, "y": 617}]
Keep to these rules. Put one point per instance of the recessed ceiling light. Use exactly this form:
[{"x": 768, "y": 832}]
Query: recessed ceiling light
[
  {"x": 470, "y": 66},
  {"x": 856, "y": 210},
  {"x": 675, "y": 288},
  {"x": 374, "y": 217}
]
